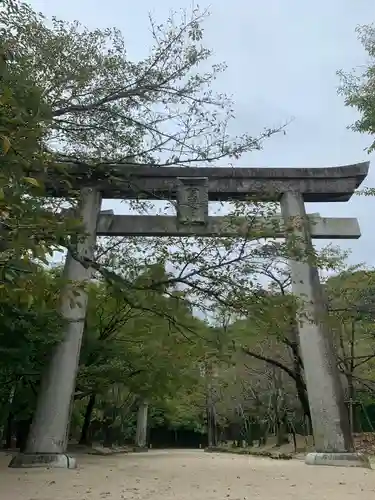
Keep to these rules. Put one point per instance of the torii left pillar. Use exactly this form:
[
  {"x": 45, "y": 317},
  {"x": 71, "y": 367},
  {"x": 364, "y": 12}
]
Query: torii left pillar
[{"x": 48, "y": 437}]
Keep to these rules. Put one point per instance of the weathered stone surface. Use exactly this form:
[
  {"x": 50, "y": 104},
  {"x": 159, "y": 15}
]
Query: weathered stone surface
[
  {"x": 141, "y": 431},
  {"x": 133, "y": 181},
  {"x": 192, "y": 200},
  {"x": 338, "y": 459},
  {"x": 326, "y": 397},
  {"x": 154, "y": 225},
  {"x": 31, "y": 460},
  {"x": 48, "y": 432}
]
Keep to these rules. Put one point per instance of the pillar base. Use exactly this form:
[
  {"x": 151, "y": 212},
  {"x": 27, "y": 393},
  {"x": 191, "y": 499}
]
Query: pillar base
[
  {"x": 338, "y": 459},
  {"x": 31, "y": 460},
  {"x": 140, "y": 449}
]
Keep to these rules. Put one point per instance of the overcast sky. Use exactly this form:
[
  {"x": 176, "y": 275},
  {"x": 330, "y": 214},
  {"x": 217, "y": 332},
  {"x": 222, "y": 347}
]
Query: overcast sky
[{"x": 282, "y": 58}]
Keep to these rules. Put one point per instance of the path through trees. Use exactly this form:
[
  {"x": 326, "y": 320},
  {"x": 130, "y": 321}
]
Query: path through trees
[{"x": 192, "y": 475}]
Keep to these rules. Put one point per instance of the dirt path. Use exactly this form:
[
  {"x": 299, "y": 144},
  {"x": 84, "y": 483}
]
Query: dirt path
[{"x": 186, "y": 475}]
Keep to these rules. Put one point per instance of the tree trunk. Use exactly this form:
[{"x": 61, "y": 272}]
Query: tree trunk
[
  {"x": 209, "y": 428},
  {"x": 107, "y": 425},
  {"x": 8, "y": 431},
  {"x": 84, "y": 439},
  {"x": 22, "y": 431},
  {"x": 263, "y": 433},
  {"x": 351, "y": 390},
  {"x": 298, "y": 372},
  {"x": 107, "y": 439},
  {"x": 9, "y": 423},
  {"x": 281, "y": 433},
  {"x": 211, "y": 423},
  {"x": 278, "y": 403},
  {"x": 303, "y": 398}
]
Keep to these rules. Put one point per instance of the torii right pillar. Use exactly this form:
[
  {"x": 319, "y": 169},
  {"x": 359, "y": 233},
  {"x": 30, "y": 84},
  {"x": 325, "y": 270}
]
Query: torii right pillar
[{"x": 329, "y": 415}]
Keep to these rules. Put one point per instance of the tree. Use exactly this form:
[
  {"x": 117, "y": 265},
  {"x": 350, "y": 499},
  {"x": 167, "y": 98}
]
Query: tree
[
  {"x": 28, "y": 333},
  {"x": 266, "y": 330},
  {"x": 29, "y": 232},
  {"x": 351, "y": 304},
  {"x": 128, "y": 352},
  {"x": 106, "y": 108},
  {"x": 357, "y": 87},
  {"x": 132, "y": 351}
]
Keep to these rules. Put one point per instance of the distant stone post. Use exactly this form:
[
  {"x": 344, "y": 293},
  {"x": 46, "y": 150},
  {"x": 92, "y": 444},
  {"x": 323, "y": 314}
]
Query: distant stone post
[
  {"x": 141, "y": 432},
  {"x": 326, "y": 397},
  {"x": 47, "y": 440}
]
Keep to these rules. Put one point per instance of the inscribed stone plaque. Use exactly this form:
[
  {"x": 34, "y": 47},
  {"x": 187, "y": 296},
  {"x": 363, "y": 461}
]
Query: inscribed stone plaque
[{"x": 192, "y": 200}]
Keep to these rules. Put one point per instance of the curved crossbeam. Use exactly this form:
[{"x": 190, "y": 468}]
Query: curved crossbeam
[{"x": 328, "y": 184}]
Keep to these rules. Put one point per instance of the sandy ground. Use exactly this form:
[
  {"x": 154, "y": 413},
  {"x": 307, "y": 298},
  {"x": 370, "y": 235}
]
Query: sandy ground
[{"x": 183, "y": 475}]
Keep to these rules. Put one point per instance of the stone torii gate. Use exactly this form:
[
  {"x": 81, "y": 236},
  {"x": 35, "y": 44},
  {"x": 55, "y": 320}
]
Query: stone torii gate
[{"x": 193, "y": 188}]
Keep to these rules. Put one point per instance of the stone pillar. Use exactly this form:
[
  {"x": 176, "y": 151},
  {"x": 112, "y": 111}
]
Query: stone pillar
[
  {"x": 47, "y": 440},
  {"x": 141, "y": 432},
  {"x": 326, "y": 399}
]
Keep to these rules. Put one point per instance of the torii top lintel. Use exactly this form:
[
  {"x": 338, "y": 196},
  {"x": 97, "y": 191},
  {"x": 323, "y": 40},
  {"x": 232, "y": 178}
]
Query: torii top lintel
[{"x": 328, "y": 184}]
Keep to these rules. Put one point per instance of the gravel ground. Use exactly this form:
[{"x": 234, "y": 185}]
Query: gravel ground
[{"x": 186, "y": 475}]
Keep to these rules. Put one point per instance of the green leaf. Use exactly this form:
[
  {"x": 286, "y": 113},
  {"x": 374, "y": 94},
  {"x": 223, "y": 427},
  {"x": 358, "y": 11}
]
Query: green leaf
[
  {"x": 6, "y": 144},
  {"x": 32, "y": 181}
]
